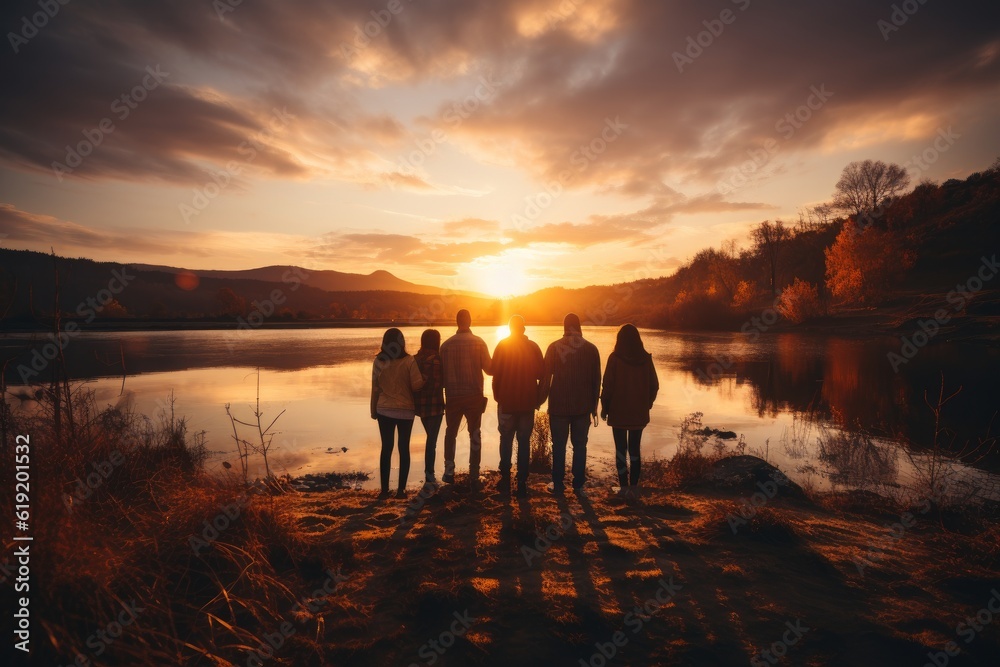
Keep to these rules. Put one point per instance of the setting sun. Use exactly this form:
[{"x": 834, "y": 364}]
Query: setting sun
[
  {"x": 474, "y": 322},
  {"x": 502, "y": 277}
]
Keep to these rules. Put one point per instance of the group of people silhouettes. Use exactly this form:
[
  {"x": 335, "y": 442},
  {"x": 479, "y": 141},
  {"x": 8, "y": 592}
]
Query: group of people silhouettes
[{"x": 444, "y": 382}]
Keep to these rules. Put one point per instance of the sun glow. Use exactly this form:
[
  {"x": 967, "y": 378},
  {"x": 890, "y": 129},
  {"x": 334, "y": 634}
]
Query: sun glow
[{"x": 501, "y": 276}]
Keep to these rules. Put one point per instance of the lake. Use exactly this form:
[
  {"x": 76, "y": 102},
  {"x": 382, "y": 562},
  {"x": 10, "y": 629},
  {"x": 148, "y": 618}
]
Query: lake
[{"x": 794, "y": 399}]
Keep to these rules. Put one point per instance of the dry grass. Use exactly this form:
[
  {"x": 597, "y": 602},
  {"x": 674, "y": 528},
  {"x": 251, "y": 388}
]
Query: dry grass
[
  {"x": 410, "y": 572},
  {"x": 541, "y": 445},
  {"x": 691, "y": 462},
  {"x": 134, "y": 540}
]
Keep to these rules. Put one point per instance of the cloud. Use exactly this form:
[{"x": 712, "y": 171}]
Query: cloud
[
  {"x": 568, "y": 68},
  {"x": 578, "y": 235},
  {"x": 224, "y": 80},
  {"x": 691, "y": 127},
  {"x": 33, "y": 231},
  {"x": 588, "y": 94},
  {"x": 470, "y": 227},
  {"x": 401, "y": 250}
]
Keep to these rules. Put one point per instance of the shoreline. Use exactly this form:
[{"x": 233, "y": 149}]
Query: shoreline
[
  {"x": 868, "y": 325},
  {"x": 900, "y": 317}
]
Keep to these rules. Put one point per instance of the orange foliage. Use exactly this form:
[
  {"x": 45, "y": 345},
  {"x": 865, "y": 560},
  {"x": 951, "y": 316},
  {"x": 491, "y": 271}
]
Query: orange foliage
[
  {"x": 799, "y": 302},
  {"x": 863, "y": 265},
  {"x": 745, "y": 294}
]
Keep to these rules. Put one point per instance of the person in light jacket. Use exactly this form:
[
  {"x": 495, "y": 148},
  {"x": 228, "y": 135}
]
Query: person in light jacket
[
  {"x": 395, "y": 376},
  {"x": 629, "y": 389}
]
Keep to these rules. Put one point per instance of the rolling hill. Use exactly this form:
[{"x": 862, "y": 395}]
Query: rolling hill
[{"x": 331, "y": 281}]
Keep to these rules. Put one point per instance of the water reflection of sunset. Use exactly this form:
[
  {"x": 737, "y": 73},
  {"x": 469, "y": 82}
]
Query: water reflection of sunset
[{"x": 322, "y": 379}]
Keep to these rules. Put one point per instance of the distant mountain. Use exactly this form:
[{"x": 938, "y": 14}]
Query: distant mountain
[
  {"x": 110, "y": 290},
  {"x": 330, "y": 281}
]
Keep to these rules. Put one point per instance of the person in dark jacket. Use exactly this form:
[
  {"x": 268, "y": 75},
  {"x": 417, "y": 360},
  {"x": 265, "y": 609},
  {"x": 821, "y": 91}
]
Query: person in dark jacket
[
  {"x": 517, "y": 370},
  {"x": 630, "y": 387},
  {"x": 572, "y": 384},
  {"x": 429, "y": 399}
]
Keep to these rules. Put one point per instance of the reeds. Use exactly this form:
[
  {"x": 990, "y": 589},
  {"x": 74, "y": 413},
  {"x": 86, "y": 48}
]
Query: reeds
[{"x": 125, "y": 517}]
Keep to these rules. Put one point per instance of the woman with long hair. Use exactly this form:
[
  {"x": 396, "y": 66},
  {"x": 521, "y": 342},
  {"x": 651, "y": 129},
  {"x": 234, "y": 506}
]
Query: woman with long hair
[
  {"x": 429, "y": 400},
  {"x": 629, "y": 389},
  {"x": 395, "y": 376}
]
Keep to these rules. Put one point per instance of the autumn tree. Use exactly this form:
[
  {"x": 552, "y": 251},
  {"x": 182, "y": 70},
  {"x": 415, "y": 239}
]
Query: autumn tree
[
  {"x": 114, "y": 309},
  {"x": 864, "y": 263},
  {"x": 768, "y": 238},
  {"x": 339, "y": 310},
  {"x": 814, "y": 217},
  {"x": 724, "y": 266},
  {"x": 867, "y": 185}
]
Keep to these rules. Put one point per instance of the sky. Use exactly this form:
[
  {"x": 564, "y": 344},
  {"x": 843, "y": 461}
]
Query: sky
[{"x": 492, "y": 145}]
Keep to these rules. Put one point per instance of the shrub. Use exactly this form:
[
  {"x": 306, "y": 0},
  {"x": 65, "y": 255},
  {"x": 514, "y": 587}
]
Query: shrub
[
  {"x": 696, "y": 310},
  {"x": 690, "y": 464},
  {"x": 799, "y": 302}
]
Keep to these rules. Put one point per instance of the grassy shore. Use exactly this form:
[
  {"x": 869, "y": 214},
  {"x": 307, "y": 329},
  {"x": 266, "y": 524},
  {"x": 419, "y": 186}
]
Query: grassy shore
[{"x": 201, "y": 571}]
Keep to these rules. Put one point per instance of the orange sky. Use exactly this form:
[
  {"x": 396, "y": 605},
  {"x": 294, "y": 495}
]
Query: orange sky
[{"x": 499, "y": 146}]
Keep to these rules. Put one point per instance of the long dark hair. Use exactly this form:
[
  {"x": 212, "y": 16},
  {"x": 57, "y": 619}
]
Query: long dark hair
[
  {"x": 430, "y": 340},
  {"x": 393, "y": 346},
  {"x": 628, "y": 345}
]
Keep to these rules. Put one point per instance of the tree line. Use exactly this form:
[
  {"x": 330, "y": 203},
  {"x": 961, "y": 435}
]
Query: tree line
[{"x": 873, "y": 243}]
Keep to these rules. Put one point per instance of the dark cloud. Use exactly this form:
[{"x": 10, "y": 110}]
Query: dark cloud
[
  {"x": 691, "y": 127},
  {"x": 227, "y": 78},
  {"x": 569, "y": 70}
]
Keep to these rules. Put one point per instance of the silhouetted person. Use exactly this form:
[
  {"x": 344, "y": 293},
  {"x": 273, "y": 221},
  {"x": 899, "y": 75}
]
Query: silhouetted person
[
  {"x": 572, "y": 383},
  {"x": 464, "y": 359},
  {"x": 395, "y": 376},
  {"x": 429, "y": 400},
  {"x": 517, "y": 370},
  {"x": 630, "y": 387}
]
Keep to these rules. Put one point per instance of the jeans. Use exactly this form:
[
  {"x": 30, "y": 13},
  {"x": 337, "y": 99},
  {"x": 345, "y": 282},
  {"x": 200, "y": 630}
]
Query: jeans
[
  {"x": 518, "y": 424},
  {"x": 630, "y": 440},
  {"x": 432, "y": 425},
  {"x": 577, "y": 430},
  {"x": 471, "y": 408},
  {"x": 387, "y": 427}
]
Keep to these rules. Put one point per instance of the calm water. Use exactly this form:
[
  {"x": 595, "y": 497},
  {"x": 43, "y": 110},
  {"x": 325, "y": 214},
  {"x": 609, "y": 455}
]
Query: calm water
[{"x": 783, "y": 393}]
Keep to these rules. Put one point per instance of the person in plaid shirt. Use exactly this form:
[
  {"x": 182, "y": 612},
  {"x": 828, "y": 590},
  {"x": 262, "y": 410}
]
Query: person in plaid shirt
[
  {"x": 464, "y": 359},
  {"x": 429, "y": 400},
  {"x": 517, "y": 369}
]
